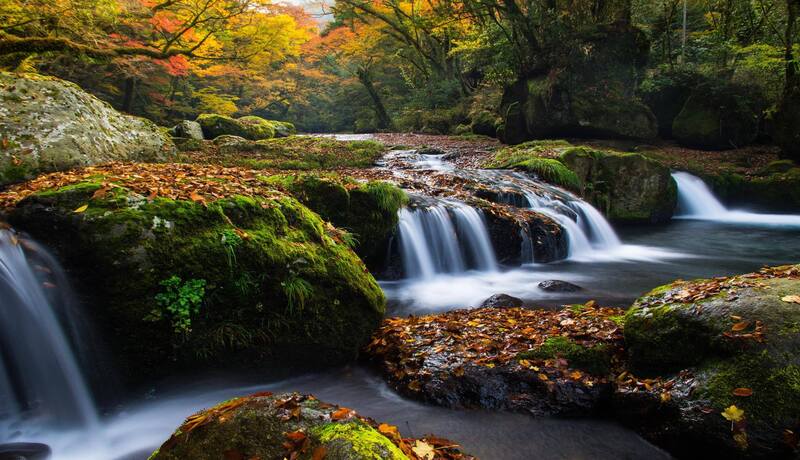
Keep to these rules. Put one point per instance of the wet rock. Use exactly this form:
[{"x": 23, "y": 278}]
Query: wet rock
[
  {"x": 522, "y": 235},
  {"x": 558, "y": 286},
  {"x": 727, "y": 355},
  {"x": 291, "y": 425},
  {"x": 431, "y": 151},
  {"x": 187, "y": 129},
  {"x": 49, "y": 124},
  {"x": 503, "y": 358},
  {"x": 24, "y": 451},
  {"x": 717, "y": 119},
  {"x": 502, "y": 300}
]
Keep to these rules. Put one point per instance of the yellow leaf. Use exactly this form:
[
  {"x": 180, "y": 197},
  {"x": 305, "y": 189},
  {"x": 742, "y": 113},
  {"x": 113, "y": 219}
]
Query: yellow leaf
[
  {"x": 791, "y": 298},
  {"x": 82, "y": 208},
  {"x": 423, "y": 450},
  {"x": 733, "y": 413}
]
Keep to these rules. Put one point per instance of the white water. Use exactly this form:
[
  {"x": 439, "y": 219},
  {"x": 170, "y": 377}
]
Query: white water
[
  {"x": 696, "y": 201},
  {"x": 445, "y": 236}
]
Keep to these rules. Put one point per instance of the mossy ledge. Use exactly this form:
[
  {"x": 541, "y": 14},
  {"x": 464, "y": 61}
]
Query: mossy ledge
[{"x": 278, "y": 282}]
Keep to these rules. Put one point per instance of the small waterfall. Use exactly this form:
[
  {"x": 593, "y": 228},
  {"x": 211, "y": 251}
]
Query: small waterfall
[
  {"x": 39, "y": 375},
  {"x": 696, "y": 201},
  {"x": 695, "y": 198},
  {"x": 444, "y": 237}
]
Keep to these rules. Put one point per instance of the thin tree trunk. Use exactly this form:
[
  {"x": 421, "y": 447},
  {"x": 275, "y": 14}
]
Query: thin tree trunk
[
  {"x": 130, "y": 94},
  {"x": 793, "y": 9},
  {"x": 384, "y": 121}
]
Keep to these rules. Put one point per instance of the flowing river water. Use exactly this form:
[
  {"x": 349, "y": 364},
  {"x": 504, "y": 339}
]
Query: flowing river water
[{"x": 448, "y": 264}]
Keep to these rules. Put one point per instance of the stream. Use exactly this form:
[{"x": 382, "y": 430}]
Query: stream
[{"x": 448, "y": 265}]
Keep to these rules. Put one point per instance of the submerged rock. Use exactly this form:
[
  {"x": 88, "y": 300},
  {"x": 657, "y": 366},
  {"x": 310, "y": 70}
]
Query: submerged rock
[
  {"x": 48, "y": 124},
  {"x": 24, "y": 451},
  {"x": 537, "y": 361},
  {"x": 501, "y": 300},
  {"x": 186, "y": 266},
  {"x": 291, "y": 425},
  {"x": 558, "y": 286},
  {"x": 727, "y": 353}
]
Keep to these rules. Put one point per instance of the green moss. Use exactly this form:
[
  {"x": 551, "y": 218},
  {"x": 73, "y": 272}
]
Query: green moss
[
  {"x": 250, "y": 127},
  {"x": 366, "y": 442},
  {"x": 594, "y": 359},
  {"x": 776, "y": 387}
]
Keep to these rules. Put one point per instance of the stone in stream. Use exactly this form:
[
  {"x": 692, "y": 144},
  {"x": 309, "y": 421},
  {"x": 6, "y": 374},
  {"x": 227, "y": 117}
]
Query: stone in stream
[
  {"x": 501, "y": 300},
  {"x": 48, "y": 124},
  {"x": 291, "y": 425},
  {"x": 24, "y": 451},
  {"x": 558, "y": 286},
  {"x": 542, "y": 362},
  {"x": 727, "y": 355}
]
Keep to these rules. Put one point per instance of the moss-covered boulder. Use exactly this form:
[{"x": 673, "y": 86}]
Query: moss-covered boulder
[
  {"x": 587, "y": 92},
  {"x": 717, "y": 118},
  {"x": 626, "y": 187},
  {"x": 291, "y": 425},
  {"x": 367, "y": 210},
  {"x": 776, "y": 188},
  {"x": 249, "y": 127},
  {"x": 48, "y": 124},
  {"x": 186, "y": 266},
  {"x": 731, "y": 349},
  {"x": 665, "y": 93}
]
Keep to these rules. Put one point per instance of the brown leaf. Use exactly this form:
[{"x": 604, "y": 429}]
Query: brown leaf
[
  {"x": 342, "y": 413},
  {"x": 296, "y": 436},
  {"x": 319, "y": 453},
  {"x": 740, "y": 326},
  {"x": 791, "y": 298}
]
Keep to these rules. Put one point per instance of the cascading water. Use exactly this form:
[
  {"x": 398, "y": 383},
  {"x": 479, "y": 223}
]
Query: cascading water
[
  {"x": 39, "y": 375},
  {"x": 696, "y": 201},
  {"x": 444, "y": 237}
]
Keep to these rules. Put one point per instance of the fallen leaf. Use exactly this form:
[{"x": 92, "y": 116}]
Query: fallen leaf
[
  {"x": 423, "y": 450},
  {"x": 319, "y": 453},
  {"x": 341, "y": 414},
  {"x": 744, "y": 392},
  {"x": 387, "y": 429},
  {"x": 82, "y": 208},
  {"x": 733, "y": 413},
  {"x": 740, "y": 326},
  {"x": 791, "y": 298},
  {"x": 295, "y": 436}
]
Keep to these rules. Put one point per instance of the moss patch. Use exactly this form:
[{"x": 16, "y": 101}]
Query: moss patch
[
  {"x": 595, "y": 358},
  {"x": 366, "y": 442}
]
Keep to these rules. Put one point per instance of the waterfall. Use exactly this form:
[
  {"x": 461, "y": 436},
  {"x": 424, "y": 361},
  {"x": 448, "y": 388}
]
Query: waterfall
[
  {"x": 696, "y": 201},
  {"x": 39, "y": 374},
  {"x": 444, "y": 237}
]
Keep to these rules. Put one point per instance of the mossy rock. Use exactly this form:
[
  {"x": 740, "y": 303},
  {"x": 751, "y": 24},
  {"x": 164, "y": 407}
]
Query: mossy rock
[
  {"x": 257, "y": 427},
  {"x": 595, "y": 359},
  {"x": 48, "y": 124},
  {"x": 743, "y": 333},
  {"x": 278, "y": 284},
  {"x": 776, "y": 188},
  {"x": 367, "y": 210},
  {"x": 483, "y": 123},
  {"x": 250, "y": 127},
  {"x": 716, "y": 119}
]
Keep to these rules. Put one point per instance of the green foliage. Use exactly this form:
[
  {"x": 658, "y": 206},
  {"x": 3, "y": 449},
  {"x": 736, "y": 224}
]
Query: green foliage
[
  {"x": 389, "y": 197},
  {"x": 180, "y": 301},
  {"x": 533, "y": 157},
  {"x": 297, "y": 292},
  {"x": 230, "y": 240}
]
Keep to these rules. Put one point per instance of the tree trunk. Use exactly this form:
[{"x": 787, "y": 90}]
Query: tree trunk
[
  {"x": 384, "y": 121},
  {"x": 793, "y": 9},
  {"x": 130, "y": 94}
]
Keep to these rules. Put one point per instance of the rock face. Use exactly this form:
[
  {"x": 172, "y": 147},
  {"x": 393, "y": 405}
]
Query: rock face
[
  {"x": 565, "y": 100},
  {"x": 625, "y": 187},
  {"x": 47, "y": 124},
  {"x": 214, "y": 268},
  {"x": 775, "y": 190},
  {"x": 665, "y": 93},
  {"x": 250, "y": 127},
  {"x": 716, "y": 120},
  {"x": 730, "y": 348},
  {"x": 270, "y": 426},
  {"x": 558, "y": 286},
  {"x": 187, "y": 129}
]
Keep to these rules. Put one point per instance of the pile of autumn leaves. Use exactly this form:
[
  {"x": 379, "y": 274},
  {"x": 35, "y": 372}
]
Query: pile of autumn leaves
[{"x": 410, "y": 349}]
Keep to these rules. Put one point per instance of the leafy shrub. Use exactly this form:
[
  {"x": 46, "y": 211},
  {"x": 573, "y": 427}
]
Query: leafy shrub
[{"x": 179, "y": 302}]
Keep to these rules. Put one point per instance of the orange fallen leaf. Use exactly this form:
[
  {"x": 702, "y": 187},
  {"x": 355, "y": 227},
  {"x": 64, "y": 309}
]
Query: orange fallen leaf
[
  {"x": 341, "y": 414},
  {"x": 295, "y": 436},
  {"x": 744, "y": 392},
  {"x": 319, "y": 453},
  {"x": 740, "y": 326}
]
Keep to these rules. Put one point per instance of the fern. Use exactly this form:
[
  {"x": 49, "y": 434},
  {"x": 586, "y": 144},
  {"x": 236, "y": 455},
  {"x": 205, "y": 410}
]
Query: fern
[{"x": 297, "y": 292}]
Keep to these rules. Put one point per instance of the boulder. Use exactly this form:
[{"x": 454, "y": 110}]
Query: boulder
[
  {"x": 559, "y": 286},
  {"x": 727, "y": 353},
  {"x": 665, "y": 93},
  {"x": 522, "y": 235},
  {"x": 187, "y": 129},
  {"x": 291, "y": 425},
  {"x": 185, "y": 266},
  {"x": 484, "y": 123},
  {"x": 48, "y": 124},
  {"x": 786, "y": 124},
  {"x": 541, "y": 362},
  {"x": 628, "y": 188},
  {"x": 717, "y": 119},
  {"x": 565, "y": 98},
  {"x": 501, "y": 300},
  {"x": 250, "y": 127},
  {"x": 24, "y": 451}
]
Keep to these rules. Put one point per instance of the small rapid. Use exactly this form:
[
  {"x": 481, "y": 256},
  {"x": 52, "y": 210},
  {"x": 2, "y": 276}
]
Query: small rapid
[{"x": 697, "y": 202}]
